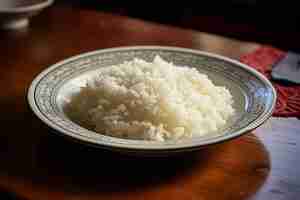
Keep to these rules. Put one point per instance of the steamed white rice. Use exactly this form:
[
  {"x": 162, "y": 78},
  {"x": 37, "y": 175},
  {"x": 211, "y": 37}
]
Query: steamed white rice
[{"x": 152, "y": 101}]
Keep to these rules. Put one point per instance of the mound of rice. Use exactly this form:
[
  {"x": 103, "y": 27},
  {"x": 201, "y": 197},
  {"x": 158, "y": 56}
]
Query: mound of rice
[{"x": 152, "y": 101}]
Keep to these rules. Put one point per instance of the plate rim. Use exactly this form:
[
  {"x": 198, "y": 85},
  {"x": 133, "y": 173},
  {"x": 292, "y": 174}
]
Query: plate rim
[
  {"x": 29, "y": 8},
  {"x": 257, "y": 122}
]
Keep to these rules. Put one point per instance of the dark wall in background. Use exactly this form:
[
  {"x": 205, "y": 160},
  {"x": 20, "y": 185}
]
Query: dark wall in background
[{"x": 275, "y": 23}]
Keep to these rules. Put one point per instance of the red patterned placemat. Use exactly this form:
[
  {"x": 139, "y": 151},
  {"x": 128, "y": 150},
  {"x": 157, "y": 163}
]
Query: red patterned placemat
[{"x": 263, "y": 59}]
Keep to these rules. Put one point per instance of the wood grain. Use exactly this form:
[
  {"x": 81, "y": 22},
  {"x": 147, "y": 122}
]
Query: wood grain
[
  {"x": 38, "y": 165},
  {"x": 65, "y": 170}
]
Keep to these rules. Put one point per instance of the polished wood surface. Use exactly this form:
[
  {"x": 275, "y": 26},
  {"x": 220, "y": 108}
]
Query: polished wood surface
[{"x": 38, "y": 165}]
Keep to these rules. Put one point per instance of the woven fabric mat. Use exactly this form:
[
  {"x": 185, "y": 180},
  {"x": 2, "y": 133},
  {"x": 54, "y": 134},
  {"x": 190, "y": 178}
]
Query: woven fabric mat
[{"x": 288, "y": 96}]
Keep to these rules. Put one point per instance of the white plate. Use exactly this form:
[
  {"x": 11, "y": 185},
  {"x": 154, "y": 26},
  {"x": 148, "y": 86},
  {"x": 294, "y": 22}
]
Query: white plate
[
  {"x": 253, "y": 94},
  {"x": 15, "y": 14}
]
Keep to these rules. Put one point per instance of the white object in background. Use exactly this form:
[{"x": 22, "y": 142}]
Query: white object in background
[{"x": 15, "y": 14}]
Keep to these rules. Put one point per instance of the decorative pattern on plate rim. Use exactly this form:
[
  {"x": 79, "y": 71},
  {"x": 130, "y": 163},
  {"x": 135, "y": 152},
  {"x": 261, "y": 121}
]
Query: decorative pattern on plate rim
[{"x": 259, "y": 94}]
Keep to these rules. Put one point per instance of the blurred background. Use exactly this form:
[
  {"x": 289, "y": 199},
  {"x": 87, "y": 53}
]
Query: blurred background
[{"x": 269, "y": 22}]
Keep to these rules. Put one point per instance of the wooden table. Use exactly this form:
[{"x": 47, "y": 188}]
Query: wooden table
[{"x": 37, "y": 165}]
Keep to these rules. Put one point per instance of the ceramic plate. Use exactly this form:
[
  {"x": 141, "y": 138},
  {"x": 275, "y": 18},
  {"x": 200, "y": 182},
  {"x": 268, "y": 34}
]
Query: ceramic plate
[
  {"x": 51, "y": 90},
  {"x": 15, "y": 14}
]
